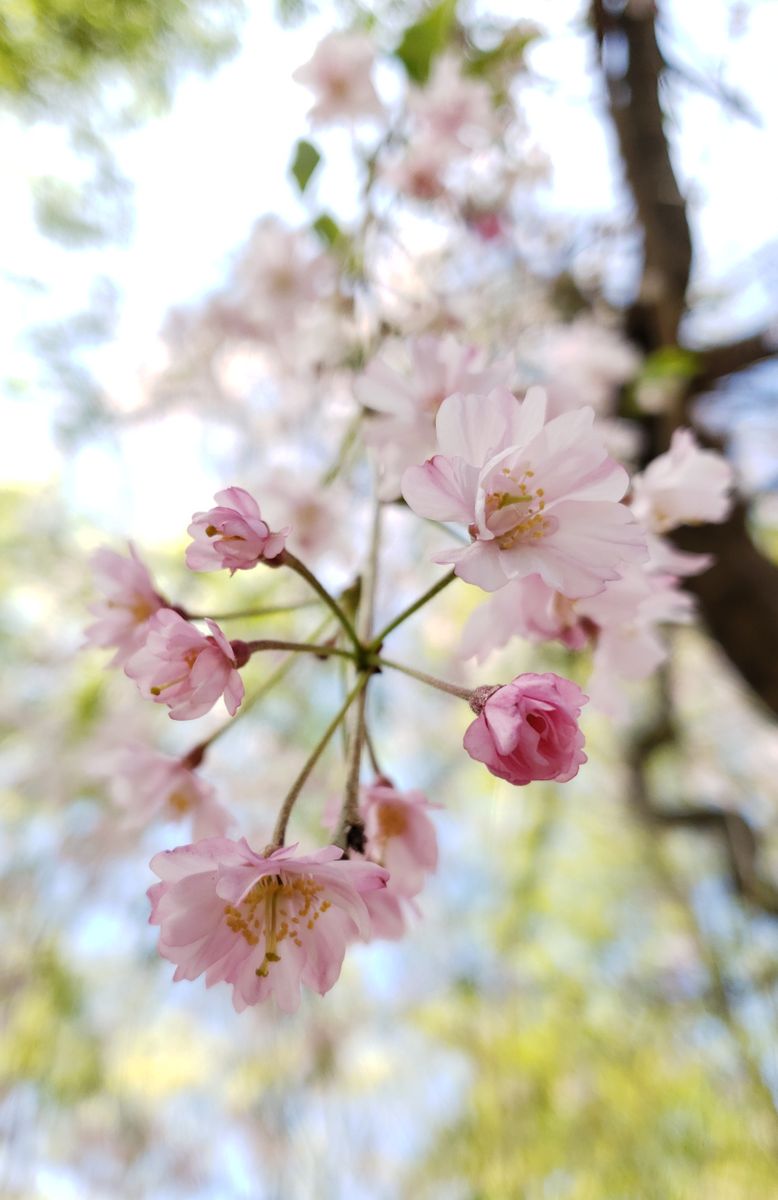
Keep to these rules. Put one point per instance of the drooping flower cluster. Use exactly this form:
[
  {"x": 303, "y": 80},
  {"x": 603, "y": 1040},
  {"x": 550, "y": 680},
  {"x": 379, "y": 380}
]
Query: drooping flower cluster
[{"x": 509, "y": 440}]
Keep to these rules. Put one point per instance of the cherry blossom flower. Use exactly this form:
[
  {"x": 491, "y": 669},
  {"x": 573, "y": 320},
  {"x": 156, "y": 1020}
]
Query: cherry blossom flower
[
  {"x": 185, "y": 669},
  {"x": 319, "y": 517},
  {"x": 400, "y": 835},
  {"x": 622, "y": 623},
  {"x": 629, "y": 646},
  {"x": 685, "y": 486},
  {"x": 405, "y": 385},
  {"x": 389, "y": 912},
  {"x": 338, "y": 74},
  {"x": 528, "y": 730},
  {"x": 130, "y": 600},
  {"x": 526, "y": 608},
  {"x": 232, "y": 535},
  {"x": 280, "y": 275},
  {"x": 266, "y": 924},
  {"x": 583, "y": 363},
  {"x": 418, "y": 171},
  {"x": 538, "y": 499},
  {"x": 148, "y": 785},
  {"x": 452, "y": 108}
]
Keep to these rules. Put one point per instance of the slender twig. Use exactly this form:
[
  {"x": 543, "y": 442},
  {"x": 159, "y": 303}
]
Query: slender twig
[
  {"x": 453, "y": 689},
  {"x": 261, "y": 644},
  {"x": 370, "y": 580},
  {"x": 349, "y": 815},
  {"x": 411, "y": 609},
  {"x": 290, "y": 560},
  {"x": 271, "y": 611},
  {"x": 197, "y": 753},
  {"x": 371, "y": 751},
  {"x": 279, "y": 833}
]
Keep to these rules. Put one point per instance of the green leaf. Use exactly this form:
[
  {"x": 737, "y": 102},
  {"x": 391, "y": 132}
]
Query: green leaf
[
  {"x": 424, "y": 40},
  {"x": 328, "y": 230},
  {"x": 670, "y": 362},
  {"x": 509, "y": 52},
  {"x": 306, "y": 160}
]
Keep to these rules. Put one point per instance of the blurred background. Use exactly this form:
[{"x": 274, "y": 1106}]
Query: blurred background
[{"x": 587, "y": 1007}]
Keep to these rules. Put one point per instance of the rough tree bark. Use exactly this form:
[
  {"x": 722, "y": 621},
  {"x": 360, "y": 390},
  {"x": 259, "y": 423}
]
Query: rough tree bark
[{"x": 738, "y": 596}]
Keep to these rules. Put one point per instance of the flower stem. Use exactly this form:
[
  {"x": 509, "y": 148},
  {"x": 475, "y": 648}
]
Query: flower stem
[
  {"x": 371, "y": 752},
  {"x": 279, "y": 833},
  {"x": 271, "y": 611},
  {"x": 298, "y": 647},
  {"x": 290, "y": 560},
  {"x": 197, "y": 753},
  {"x": 349, "y": 813},
  {"x": 453, "y": 689},
  {"x": 411, "y": 609}
]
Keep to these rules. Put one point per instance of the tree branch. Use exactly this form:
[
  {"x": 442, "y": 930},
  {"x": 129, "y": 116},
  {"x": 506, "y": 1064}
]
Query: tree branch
[
  {"x": 738, "y": 598},
  {"x": 739, "y": 595},
  {"x": 636, "y": 112},
  {"x": 738, "y": 839},
  {"x": 718, "y": 361}
]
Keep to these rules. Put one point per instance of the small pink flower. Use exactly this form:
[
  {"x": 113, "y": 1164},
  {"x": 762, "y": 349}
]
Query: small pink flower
[
  {"x": 685, "y": 486},
  {"x": 148, "y": 786},
  {"x": 454, "y": 108},
  {"x": 526, "y": 608},
  {"x": 185, "y": 669},
  {"x": 389, "y": 912},
  {"x": 400, "y": 835},
  {"x": 233, "y": 535},
  {"x": 338, "y": 74},
  {"x": 538, "y": 497},
  {"x": 266, "y": 924},
  {"x": 405, "y": 385},
  {"x": 528, "y": 730},
  {"x": 130, "y": 600}
]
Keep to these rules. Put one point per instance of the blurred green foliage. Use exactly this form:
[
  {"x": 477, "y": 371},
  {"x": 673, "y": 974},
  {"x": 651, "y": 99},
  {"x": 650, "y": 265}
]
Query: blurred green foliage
[
  {"x": 45, "y": 1038},
  {"x": 425, "y": 39},
  {"x": 53, "y": 48}
]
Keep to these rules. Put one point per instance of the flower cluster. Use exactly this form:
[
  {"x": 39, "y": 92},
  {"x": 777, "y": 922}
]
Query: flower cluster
[{"x": 512, "y": 451}]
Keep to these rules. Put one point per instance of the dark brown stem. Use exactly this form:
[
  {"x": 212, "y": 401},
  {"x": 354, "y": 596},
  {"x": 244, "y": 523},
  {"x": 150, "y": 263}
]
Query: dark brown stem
[{"x": 325, "y": 651}]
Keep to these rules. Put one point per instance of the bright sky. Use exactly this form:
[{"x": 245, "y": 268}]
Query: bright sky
[{"x": 204, "y": 172}]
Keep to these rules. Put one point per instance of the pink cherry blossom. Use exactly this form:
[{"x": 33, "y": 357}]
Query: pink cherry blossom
[
  {"x": 418, "y": 169},
  {"x": 685, "y": 486},
  {"x": 148, "y": 785},
  {"x": 526, "y": 608},
  {"x": 400, "y": 835},
  {"x": 629, "y": 645},
  {"x": 266, "y": 924},
  {"x": 130, "y": 600},
  {"x": 538, "y": 498},
  {"x": 453, "y": 108},
  {"x": 281, "y": 275},
  {"x": 185, "y": 669},
  {"x": 232, "y": 535},
  {"x": 528, "y": 730},
  {"x": 582, "y": 363},
  {"x": 622, "y": 623},
  {"x": 390, "y": 912},
  {"x": 338, "y": 74},
  {"x": 405, "y": 386}
]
